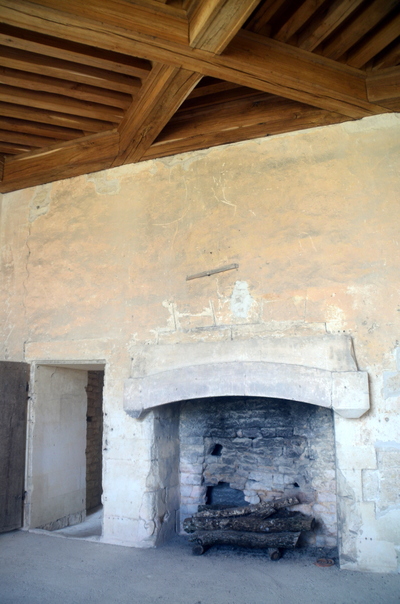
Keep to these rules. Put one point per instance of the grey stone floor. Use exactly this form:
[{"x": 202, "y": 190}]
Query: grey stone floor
[{"x": 42, "y": 569}]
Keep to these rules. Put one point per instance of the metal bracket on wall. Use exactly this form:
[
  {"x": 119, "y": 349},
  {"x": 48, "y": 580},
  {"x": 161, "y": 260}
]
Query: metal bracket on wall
[{"x": 213, "y": 271}]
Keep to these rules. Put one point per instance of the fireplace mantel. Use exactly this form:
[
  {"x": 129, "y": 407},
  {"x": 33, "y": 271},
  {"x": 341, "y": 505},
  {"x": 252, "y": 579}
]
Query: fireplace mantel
[{"x": 319, "y": 370}]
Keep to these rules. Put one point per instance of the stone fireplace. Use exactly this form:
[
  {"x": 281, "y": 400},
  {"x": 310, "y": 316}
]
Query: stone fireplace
[{"x": 250, "y": 420}]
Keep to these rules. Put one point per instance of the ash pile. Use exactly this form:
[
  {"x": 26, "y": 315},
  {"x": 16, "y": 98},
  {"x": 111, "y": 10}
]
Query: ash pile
[{"x": 266, "y": 525}]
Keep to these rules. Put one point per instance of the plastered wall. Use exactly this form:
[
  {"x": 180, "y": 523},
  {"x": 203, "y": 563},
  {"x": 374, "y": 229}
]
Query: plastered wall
[{"x": 95, "y": 265}]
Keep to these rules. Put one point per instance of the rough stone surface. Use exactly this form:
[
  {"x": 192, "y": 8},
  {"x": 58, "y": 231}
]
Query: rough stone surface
[
  {"x": 312, "y": 221},
  {"x": 266, "y": 448},
  {"x": 94, "y": 439}
]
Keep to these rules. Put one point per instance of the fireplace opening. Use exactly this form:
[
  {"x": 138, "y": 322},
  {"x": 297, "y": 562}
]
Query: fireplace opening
[{"x": 235, "y": 451}]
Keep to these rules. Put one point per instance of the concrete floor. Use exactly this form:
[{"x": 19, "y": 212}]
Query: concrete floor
[{"x": 41, "y": 569}]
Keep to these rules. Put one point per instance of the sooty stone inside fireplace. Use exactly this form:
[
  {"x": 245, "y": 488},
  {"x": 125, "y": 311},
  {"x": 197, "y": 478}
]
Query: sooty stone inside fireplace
[{"x": 238, "y": 450}]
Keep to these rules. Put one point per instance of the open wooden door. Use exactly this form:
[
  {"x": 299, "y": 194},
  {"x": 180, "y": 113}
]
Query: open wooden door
[{"x": 14, "y": 379}]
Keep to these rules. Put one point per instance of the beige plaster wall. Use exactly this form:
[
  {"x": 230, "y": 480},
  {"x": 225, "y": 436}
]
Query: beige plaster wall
[{"x": 95, "y": 265}]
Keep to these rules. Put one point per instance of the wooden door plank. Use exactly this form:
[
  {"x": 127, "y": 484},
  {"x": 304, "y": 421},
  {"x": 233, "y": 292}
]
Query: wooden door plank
[
  {"x": 14, "y": 378},
  {"x": 384, "y": 85},
  {"x": 324, "y": 24},
  {"x": 88, "y": 154},
  {"x": 33, "y": 81},
  {"x": 66, "y": 70},
  {"x": 358, "y": 27},
  {"x": 161, "y": 95},
  {"x": 69, "y": 51},
  {"x": 59, "y": 103},
  {"x": 214, "y": 23},
  {"x": 373, "y": 45}
]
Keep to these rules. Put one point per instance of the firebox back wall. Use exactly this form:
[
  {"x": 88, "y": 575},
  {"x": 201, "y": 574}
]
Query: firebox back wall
[{"x": 267, "y": 448}]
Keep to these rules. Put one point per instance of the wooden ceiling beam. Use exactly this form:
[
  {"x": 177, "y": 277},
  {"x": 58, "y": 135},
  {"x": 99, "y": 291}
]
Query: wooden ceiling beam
[
  {"x": 48, "y": 46},
  {"x": 214, "y": 23},
  {"x": 160, "y": 97},
  {"x": 325, "y": 23},
  {"x": 153, "y": 19},
  {"x": 65, "y": 70},
  {"x": 357, "y": 28},
  {"x": 58, "y": 103},
  {"x": 388, "y": 58},
  {"x": 13, "y": 148},
  {"x": 384, "y": 85},
  {"x": 37, "y": 129},
  {"x": 367, "y": 49},
  {"x": 297, "y": 20},
  {"x": 33, "y": 81},
  {"x": 7, "y": 136},
  {"x": 88, "y": 154},
  {"x": 259, "y": 20},
  {"x": 277, "y": 68},
  {"x": 54, "y": 118},
  {"x": 211, "y": 87},
  {"x": 243, "y": 121},
  {"x": 250, "y": 60}
]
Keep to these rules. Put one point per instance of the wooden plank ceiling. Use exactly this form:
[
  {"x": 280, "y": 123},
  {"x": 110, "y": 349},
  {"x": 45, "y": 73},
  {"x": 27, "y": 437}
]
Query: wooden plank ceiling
[{"x": 87, "y": 85}]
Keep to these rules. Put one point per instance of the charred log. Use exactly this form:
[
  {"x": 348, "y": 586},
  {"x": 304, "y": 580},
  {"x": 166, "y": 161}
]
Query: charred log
[
  {"x": 205, "y": 539},
  {"x": 261, "y": 510},
  {"x": 291, "y": 522}
]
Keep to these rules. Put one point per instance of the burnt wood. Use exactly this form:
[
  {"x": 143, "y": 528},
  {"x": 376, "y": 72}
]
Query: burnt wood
[
  {"x": 205, "y": 539},
  {"x": 295, "y": 521},
  {"x": 260, "y": 510},
  {"x": 13, "y": 412}
]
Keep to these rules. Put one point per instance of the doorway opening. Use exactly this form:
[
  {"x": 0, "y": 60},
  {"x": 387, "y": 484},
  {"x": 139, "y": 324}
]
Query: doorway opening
[{"x": 64, "y": 477}]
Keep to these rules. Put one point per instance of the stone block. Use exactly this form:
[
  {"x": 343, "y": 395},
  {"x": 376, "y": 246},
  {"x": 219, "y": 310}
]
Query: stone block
[
  {"x": 391, "y": 384},
  {"x": 191, "y": 479},
  {"x": 388, "y": 454},
  {"x": 356, "y": 457},
  {"x": 370, "y": 485},
  {"x": 376, "y": 556},
  {"x": 186, "y": 491},
  {"x": 350, "y": 393}
]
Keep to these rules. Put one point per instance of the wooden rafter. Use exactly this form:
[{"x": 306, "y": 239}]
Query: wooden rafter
[
  {"x": 163, "y": 92},
  {"x": 325, "y": 23},
  {"x": 90, "y": 85},
  {"x": 214, "y": 23},
  {"x": 250, "y": 60},
  {"x": 384, "y": 85},
  {"x": 88, "y": 154},
  {"x": 370, "y": 47},
  {"x": 358, "y": 27}
]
